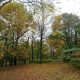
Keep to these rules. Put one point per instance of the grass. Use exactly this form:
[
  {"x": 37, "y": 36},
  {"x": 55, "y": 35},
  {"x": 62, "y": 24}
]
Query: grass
[{"x": 46, "y": 71}]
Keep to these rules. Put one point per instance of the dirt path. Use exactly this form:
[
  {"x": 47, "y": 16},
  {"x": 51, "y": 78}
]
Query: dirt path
[{"x": 40, "y": 72}]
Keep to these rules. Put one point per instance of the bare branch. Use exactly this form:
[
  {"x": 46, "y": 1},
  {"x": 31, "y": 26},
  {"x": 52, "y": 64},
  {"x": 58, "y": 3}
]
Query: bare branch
[
  {"x": 5, "y": 3},
  {"x": 28, "y": 1}
]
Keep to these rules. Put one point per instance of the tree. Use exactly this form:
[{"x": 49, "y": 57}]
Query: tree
[
  {"x": 18, "y": 20},
  {"x": 32, "y": 44},
  {"x": 67, "y": 25},
  {"x": 42, "y": 11},
  {"x": 56, "y": 43},
  {"x": 71, "y": 27},
  {"x": 55, "y": 39},
  {"x": 70, "y": 22}
]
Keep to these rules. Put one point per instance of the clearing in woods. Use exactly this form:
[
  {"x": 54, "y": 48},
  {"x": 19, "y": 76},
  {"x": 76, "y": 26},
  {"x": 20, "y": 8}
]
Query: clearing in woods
[{"x": 47, "y": 71}]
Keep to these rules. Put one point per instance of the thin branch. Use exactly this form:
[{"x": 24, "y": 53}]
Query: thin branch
[
  {"x": 28, "y": 1},
  {"x": 5, "y": 3}
]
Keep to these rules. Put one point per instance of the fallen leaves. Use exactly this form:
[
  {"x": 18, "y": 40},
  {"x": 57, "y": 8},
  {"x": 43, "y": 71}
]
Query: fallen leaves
[{"x": 47, "y": 71}]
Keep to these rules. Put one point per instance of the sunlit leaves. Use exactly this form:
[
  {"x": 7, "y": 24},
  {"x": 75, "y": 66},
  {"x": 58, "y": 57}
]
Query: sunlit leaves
[{"x": 57, "y": 23}]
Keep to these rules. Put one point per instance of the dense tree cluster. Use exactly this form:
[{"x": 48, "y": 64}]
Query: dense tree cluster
[
  {"x": 23, "y": 36},
  {"x": 66, "y": 37},
  {"x": 14, "y": 24}
]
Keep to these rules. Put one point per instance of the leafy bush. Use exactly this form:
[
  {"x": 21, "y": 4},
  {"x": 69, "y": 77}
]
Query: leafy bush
[
  {"x": 66, "y": 57},
  {"x": 75, "y": 62},
  {"x": 72, "y": 56}
]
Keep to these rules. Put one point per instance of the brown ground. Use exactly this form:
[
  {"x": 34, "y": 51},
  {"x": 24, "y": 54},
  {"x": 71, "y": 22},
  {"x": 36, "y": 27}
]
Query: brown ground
[{"x": 47, "y": 71}]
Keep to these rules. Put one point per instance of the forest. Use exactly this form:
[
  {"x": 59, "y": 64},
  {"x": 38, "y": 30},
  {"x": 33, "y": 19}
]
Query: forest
[{"x": 37, "y": 43}]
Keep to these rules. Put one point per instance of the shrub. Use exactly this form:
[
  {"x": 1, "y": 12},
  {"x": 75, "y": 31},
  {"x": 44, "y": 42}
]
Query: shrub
[{"x": 75, "y": 62}]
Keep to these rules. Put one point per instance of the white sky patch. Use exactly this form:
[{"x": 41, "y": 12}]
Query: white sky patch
[{"x": 69, "y": 6}]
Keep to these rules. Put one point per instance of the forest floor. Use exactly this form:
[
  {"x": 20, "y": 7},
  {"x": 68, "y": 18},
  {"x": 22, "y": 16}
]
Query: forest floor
[{"x": 46, "y": 71}]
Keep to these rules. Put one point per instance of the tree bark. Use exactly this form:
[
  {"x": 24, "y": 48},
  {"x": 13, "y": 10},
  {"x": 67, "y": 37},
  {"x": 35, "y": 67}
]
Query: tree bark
[
  {"x": 40, "y": 55},
  {"x": 32, "y": 50}
]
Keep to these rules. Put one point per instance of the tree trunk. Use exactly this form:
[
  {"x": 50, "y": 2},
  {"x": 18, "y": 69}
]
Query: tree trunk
[
  {"x": 40, "y": 54},
  {"x": 15, "y": 60},
  {"x": 11, "y": 61},
  {"x": 75, "y": 38},
  {"x": 41, "y": 31},
  {"x": 32, "y": 50}
]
